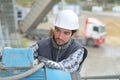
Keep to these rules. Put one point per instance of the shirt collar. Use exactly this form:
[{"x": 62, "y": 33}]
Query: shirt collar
[{"x": 62, "y": 46}]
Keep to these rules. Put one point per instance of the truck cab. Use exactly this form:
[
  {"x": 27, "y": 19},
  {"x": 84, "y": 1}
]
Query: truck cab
[{"x": 94, "y": 32}]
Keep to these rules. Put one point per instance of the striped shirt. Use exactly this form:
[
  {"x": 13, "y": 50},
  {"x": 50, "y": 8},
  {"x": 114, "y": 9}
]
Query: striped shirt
[{"x": 69, "y": 64}]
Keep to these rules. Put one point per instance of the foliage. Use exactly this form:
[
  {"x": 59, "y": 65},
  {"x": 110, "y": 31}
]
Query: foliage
[
  {"x": 70, "y": 1},
  {"x": 25, "y": 42},
  {"x": 24, "y": 2},
  {"x": 82, "y": 0}
]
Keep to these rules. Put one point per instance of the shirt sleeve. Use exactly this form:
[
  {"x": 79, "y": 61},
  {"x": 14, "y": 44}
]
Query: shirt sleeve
[
  {"x": 71, "y": 64},
  {"x": 35, "y": 49}
]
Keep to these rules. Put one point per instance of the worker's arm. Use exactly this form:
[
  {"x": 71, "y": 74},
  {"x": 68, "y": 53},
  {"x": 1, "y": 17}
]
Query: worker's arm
[
  {"x": 35, "y": 48},
  {"x": 72, "y": 63}
]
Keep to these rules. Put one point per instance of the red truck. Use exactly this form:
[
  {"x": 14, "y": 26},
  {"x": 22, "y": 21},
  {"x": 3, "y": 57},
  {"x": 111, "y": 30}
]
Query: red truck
[{"x": 93, "y": 32}]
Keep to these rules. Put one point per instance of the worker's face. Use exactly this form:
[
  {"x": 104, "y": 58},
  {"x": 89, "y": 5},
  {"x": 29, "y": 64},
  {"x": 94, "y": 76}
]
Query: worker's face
[{"x": 62, "y": 36}]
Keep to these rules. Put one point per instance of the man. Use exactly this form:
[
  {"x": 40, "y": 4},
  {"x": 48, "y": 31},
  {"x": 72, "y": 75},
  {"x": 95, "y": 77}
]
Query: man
[{"x": 62, "y": 50}]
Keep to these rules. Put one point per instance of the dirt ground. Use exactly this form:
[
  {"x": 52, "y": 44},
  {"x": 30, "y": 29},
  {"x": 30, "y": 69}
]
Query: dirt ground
[
  {"x": 104, "y": 60},
  {"x": 113, "y": 31}
]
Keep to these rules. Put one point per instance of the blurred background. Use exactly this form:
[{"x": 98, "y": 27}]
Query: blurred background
[{"x": 23, "y": 22}]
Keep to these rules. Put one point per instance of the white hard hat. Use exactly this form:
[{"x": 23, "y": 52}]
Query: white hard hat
[{"x": 67, "y": 19}]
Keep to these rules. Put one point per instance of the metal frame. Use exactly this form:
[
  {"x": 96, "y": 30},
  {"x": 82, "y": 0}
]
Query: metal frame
[{"x": 102, "y": 77}]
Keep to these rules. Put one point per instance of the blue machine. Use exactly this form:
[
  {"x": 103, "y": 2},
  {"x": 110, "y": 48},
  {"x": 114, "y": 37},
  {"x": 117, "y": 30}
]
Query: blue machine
[
  {"x": 17, "y": 57},
  {"x": 49, "y": 74},
  {"x": 23, "y": 58}
]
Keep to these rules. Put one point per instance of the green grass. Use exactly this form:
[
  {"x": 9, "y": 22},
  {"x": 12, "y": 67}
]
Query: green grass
[
  {"x": 24, "y": 2},
  {"x": 25, "y": 42}
]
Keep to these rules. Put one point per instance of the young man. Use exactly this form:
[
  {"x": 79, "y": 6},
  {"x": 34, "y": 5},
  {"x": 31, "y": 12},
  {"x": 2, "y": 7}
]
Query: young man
[{"x": 62, "y": 50}]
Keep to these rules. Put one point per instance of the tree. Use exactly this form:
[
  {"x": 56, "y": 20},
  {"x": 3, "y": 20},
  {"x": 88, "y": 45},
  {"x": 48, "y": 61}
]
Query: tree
[{"x": 71, "y": 1}]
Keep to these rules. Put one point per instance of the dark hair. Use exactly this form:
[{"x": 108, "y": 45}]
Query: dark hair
[{"x": 73, "y": 31}]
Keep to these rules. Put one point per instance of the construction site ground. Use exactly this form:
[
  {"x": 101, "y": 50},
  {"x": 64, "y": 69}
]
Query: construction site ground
[{"x": 103, "y": 60}]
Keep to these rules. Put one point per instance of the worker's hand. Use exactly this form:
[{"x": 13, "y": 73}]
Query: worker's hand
[
  {"x": 49, "y": 63},
  {"x": 52, "y": 64}
]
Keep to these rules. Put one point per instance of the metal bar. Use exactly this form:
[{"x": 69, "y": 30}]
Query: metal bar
[
  {"x": 102, "y": 77},
  {"x": 25, "y": 74}
]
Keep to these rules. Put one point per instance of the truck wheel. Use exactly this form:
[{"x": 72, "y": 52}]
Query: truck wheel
[{"x": 90, "y": 42}]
